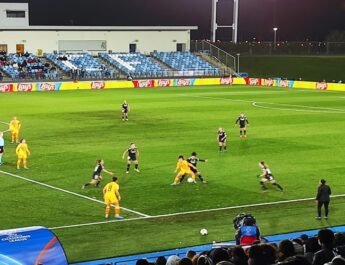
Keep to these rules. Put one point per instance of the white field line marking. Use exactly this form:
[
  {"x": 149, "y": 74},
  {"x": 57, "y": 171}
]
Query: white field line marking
[
  {"x": 6, "y": 123},
  {"x": 197, "y": 211},
  {"x": 307, "y": 108},
  {"x": 255, "y": 104},
  {"x": 67, "y": 191}
]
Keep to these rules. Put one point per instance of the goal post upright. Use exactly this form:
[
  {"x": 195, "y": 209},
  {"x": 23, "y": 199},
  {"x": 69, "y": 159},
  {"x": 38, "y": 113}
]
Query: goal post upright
[{"x": 215, "y": 26}]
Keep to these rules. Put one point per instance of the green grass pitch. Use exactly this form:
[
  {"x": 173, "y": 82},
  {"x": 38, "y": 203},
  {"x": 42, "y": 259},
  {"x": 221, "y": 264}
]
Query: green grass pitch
[{"x": 299, "y": 133}]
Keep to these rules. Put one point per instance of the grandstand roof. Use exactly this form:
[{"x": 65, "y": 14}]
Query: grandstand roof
[{"x": 100, "y": 28}]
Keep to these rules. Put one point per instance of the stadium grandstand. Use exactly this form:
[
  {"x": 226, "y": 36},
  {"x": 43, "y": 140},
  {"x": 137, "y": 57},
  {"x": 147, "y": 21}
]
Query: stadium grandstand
[{"x": 78, "y": 191}]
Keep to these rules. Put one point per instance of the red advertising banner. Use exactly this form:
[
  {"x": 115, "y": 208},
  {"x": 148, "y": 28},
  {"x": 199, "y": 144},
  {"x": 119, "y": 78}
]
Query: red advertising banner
[
  {"x": 6, "y": 88},
  {"x": 253, "y": 81},
  {"x": 163, "y": 82},
  {"x": 47, "y": 87},
  {"x": 98, "y": 85},
  {"x": 183, "y": 82},
  {"x": 321, "y": 85},
  {"x": 267, "y": 82},
  {"x": 226, "y": 81},
  {"x": 25, "y": 87},
  {"x": 143, "y": 83}
]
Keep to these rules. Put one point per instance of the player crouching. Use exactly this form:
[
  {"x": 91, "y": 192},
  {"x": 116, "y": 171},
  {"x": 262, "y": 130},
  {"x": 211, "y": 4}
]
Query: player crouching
[
  {"x": 184, "y": 169},
  {"x": 96, "y": 176},
  {"x": 267, "y": 177}
]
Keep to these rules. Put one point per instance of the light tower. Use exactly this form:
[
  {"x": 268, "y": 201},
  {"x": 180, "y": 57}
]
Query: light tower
[{"x": 215, "y": 26}]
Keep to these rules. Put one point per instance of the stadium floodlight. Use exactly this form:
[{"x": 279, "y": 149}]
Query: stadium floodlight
[
  {"x": 215, "y": 26},
  {"x": 275, "y": 38}
]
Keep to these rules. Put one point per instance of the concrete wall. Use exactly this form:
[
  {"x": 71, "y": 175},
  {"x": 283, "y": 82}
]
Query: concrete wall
[
  {"x": 117, "y": 41},
  {"x": 13, "y": 22}
]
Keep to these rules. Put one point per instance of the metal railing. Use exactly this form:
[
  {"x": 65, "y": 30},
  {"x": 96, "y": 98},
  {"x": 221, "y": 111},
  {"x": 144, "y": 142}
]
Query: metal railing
[
  {"x": 283, "y": 48},
  {"x": 221, "y": 55}
]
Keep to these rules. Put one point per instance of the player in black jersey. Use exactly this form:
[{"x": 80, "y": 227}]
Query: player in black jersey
[
  {"x": 267, "y": 177},
  {"x": 96, "y": 176},
  {"x": 221, "y": 137},
  {"x": 193, "y": 159},
  {"x": 242, "y": 121},
  {"x": 132, "y": 157},
  {"x": 125, "y": 110}
]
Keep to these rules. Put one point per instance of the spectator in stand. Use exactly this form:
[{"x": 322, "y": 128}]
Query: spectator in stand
[
  {"x": 142, "y": 262},
  {"x": 173, "y": 260},
  {"x": 161, "y": 260},
  {"x": 218, "y": 255},
  {"x": 285, "y": 250},
  {"x": 185, "y": 261},
  {"x": 191, "y": 254},
  {"x": 295, "y": 260},
  {"x": 326, "y": 254},
  {"x": 270, "y": 253},
  {"x": 1, "y": 76},
  {"x": 323, "y": 198},
  {"x": 255, "y": 256},
  {"x": 238, "y": 256},
  {"x": 311, "y": 247}
]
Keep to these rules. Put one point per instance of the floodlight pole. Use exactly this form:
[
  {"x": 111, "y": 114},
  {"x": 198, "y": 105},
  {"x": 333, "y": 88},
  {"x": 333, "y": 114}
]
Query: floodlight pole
[
  {"x": 215, "y": 26},
  {"x": 275, "y": 38},
  {"x": 238, "y": 63}
]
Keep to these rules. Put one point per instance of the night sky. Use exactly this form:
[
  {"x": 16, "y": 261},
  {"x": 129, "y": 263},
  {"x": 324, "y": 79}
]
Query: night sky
[{"x": 296, "y": 19}]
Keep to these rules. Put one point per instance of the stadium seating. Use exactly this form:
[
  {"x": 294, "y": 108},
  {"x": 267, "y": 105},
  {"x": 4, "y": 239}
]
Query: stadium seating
[
  {"x": 186, "y": 61},
  {"x": 134, "y": 64},
  {"x": 83, "y": 64},
  {"x": 26, "y": 66}
]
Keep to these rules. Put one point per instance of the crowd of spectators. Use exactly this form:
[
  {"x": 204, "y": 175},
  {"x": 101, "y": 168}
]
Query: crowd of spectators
[
  {"x": 325, "y": 248},
  {"x": 26, "y": 66}
]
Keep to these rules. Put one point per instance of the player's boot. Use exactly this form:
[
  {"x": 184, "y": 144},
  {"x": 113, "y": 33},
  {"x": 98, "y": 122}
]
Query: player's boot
[
  {"x": 119, "y": 217},
  {"x": 204, "y": 181},
  {"x": 137, "y": 170}
]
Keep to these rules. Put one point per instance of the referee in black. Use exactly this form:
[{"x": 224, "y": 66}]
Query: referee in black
[{"x": 323, "y": 198}]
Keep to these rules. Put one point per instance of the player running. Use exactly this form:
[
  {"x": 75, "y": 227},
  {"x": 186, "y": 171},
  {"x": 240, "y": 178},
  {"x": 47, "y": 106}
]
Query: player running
[
  {"x": 96, "y": 175},
  {"x": 184, "y": 169},
  {"x": 132, "y": 157},
  {"x": 221, "y": 137},
  {"x": 193, "y": 159},
  {"x": 242, "y": 121},
  {"x": 267, "y": 177},
  {"x": 15, "y": 128},
  {"x": 124, "y": 110},
  {"x": 22, "y": 152},
  {"x": 112, "y": 197},
  {"x": 2, "y": 146}
]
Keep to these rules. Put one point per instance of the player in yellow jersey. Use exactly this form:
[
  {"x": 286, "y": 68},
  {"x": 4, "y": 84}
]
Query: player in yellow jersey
[
  {"x": 14, "y": 128},
  {"x": 22, "y": 152},
  {"x": 112, "y": 198},
  {"x": 184, "y": 169}
]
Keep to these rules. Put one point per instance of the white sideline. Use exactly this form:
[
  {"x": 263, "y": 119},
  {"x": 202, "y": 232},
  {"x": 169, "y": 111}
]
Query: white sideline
[
  {"x": 256, "y": 104},
  {"x": 67, "y": 191},
  {"x": 2, "y": 122},
  {"x": 197, "y": 211}
]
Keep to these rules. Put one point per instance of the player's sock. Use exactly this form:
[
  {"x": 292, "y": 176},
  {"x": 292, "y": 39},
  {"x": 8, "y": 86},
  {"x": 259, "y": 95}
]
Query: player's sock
[
  {"x": 245, "y": 132},
  {"x": 262, "y": 185},
  {"x": 18, "y": 164},
  {"x": 136, "y": 166},
  {"x": 220, "y": 148},
  {"x": 240, "y": 132},
  {"x": 224, "y": 148},
  {"x": 128, "y": 166},
  {"x": 97, "y": 184},
  {"x": 87, "y": 184},
  {"x": 200, "y": 177},
  {"x": 279, "y": 187},
  {"x": 182, "y": 178},
  {"x": 117, "y": 210},
  {"x": 107, "y": 210}
]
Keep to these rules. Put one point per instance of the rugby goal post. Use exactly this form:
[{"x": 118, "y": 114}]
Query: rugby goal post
[{"x": 215, "y": 26}]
